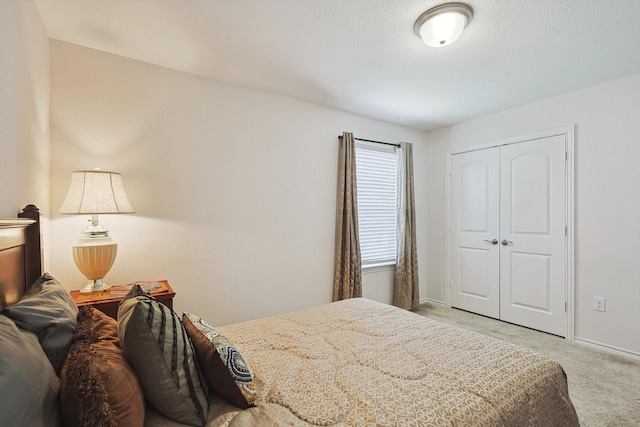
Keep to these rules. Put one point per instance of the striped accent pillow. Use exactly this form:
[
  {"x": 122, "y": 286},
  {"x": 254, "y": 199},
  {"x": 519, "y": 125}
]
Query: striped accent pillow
[{"x": 157, "y": 346}]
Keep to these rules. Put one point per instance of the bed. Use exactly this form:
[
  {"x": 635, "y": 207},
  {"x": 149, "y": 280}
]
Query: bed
[{"x": 349, "y": 363}]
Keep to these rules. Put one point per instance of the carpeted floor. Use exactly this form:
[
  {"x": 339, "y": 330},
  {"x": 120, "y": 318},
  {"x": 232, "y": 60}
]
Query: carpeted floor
[{"x": 604, "y": 387}]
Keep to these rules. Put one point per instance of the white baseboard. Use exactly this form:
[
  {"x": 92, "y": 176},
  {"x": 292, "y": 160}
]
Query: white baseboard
[
  {"x": 607, "y": 348},
  {"x": 432, "y": 301}
]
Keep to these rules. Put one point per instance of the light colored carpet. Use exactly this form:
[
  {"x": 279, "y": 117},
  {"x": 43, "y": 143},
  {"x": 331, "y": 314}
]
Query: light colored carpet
[{"x": 604, "y": 387}]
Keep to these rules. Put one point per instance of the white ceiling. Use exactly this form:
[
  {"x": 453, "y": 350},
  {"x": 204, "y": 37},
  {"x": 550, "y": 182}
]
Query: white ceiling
[{"x": 362, "y": 56}]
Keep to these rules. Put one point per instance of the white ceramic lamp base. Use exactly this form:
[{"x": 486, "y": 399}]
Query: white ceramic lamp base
[{"x": 94, "y": 259}]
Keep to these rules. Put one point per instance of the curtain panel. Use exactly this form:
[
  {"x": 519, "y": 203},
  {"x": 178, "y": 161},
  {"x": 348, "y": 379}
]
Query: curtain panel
[
  {"x": 405, "y": 287},
  {"x": 347, "y": 282}
]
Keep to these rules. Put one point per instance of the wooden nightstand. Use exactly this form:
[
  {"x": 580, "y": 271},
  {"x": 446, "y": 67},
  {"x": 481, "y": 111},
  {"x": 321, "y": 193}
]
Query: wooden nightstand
[{"x": 108, "y": 304}]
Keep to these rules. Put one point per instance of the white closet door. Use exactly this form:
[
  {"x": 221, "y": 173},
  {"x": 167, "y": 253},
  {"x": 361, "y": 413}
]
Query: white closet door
[
  {"x": 474, "y": 234},
  {"x": 532, "y": 234},
  {"x": 508, "y": 256}
]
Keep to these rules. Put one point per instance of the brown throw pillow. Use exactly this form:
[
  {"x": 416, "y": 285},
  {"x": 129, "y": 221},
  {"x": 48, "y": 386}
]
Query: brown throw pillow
[
  {"x": 98, "y": 386},
  {"x": 223, "y": 366}
]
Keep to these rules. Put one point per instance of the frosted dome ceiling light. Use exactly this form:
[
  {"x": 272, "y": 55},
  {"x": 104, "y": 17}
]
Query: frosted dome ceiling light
[{"x": 442, "y": 25}]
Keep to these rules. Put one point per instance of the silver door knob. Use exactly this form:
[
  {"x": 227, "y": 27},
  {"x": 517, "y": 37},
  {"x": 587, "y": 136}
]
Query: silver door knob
[
  {"x": 506, "y": 242},
  {"x": 493, "y": 242}
]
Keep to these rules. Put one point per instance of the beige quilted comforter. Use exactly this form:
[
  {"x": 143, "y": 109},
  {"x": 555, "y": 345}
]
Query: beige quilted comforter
[{"x": 361, "y": 363}]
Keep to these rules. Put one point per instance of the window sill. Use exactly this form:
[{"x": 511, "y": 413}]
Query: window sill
[{"x": 373, "y": 268}]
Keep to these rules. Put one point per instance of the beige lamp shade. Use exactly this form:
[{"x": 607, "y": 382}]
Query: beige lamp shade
[{"x": 96, "y": 192}]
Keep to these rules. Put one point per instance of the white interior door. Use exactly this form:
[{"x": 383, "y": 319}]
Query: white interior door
[
  {"x": 475, "y": 231},
  {"x": 508, "y": 235},
  {"x": 532, "y": 234}
]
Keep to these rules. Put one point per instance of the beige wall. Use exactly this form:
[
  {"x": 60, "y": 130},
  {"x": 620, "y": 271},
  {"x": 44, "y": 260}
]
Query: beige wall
[
  {"x": 24, "y": 108},
  {"x": 607, "y": 200},
  {"x": 24, "y": 112},
  {"x": 234, "y": 188}
]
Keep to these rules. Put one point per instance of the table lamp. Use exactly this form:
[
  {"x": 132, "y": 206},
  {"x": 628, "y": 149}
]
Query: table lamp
[{"x": 95, "y": 192}]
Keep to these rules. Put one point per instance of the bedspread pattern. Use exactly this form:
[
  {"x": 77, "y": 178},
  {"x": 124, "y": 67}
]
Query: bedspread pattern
[{"x": 358, "y": 362}]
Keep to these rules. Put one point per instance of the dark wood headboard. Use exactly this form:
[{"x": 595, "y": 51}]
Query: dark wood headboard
[{"x": 20, "y": 254}]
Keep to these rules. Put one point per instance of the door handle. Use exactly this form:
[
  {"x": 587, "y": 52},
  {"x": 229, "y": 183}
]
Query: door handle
[
  {"x": 506, "y": 242},
  {"x": 493, "y": 242}
]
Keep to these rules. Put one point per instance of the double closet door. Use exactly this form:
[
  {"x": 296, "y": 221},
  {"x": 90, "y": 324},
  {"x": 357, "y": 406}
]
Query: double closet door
[{"x": 508, "y": 233}]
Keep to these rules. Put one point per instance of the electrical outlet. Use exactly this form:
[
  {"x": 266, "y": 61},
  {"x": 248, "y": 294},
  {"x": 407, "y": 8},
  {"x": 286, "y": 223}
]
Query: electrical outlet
[{"x": 599, "y": 304}]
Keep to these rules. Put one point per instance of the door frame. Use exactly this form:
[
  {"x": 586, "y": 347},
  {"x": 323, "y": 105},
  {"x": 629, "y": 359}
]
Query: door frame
[{"x": 568, "y": 133}]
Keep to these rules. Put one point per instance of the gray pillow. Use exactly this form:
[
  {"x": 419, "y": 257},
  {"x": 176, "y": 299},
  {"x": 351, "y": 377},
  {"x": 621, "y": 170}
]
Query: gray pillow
[
  {"x": 28, "y": 384},
  {"x": 48, "y": 311},
  {"x": 158, "y": 347}
]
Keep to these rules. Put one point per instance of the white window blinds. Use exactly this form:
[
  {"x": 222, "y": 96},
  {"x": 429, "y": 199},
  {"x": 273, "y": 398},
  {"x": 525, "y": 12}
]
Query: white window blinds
[{"x": 377, "y": 177}]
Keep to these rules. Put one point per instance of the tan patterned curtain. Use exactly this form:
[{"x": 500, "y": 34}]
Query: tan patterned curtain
[
  {"x": 405, "y": 287},
  {"x": 347, "y": 282}
]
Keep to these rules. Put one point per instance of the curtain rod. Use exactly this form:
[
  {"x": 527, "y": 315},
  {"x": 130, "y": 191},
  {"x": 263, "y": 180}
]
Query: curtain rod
[{"x": 376, "y": 142}]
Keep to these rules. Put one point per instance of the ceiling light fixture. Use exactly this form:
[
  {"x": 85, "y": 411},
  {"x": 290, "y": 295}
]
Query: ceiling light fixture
[{"x": 442, "y": 25}]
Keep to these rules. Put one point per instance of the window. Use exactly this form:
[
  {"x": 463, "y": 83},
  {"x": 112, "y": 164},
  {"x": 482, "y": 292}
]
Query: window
[{"x": 377, "y": 177}]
